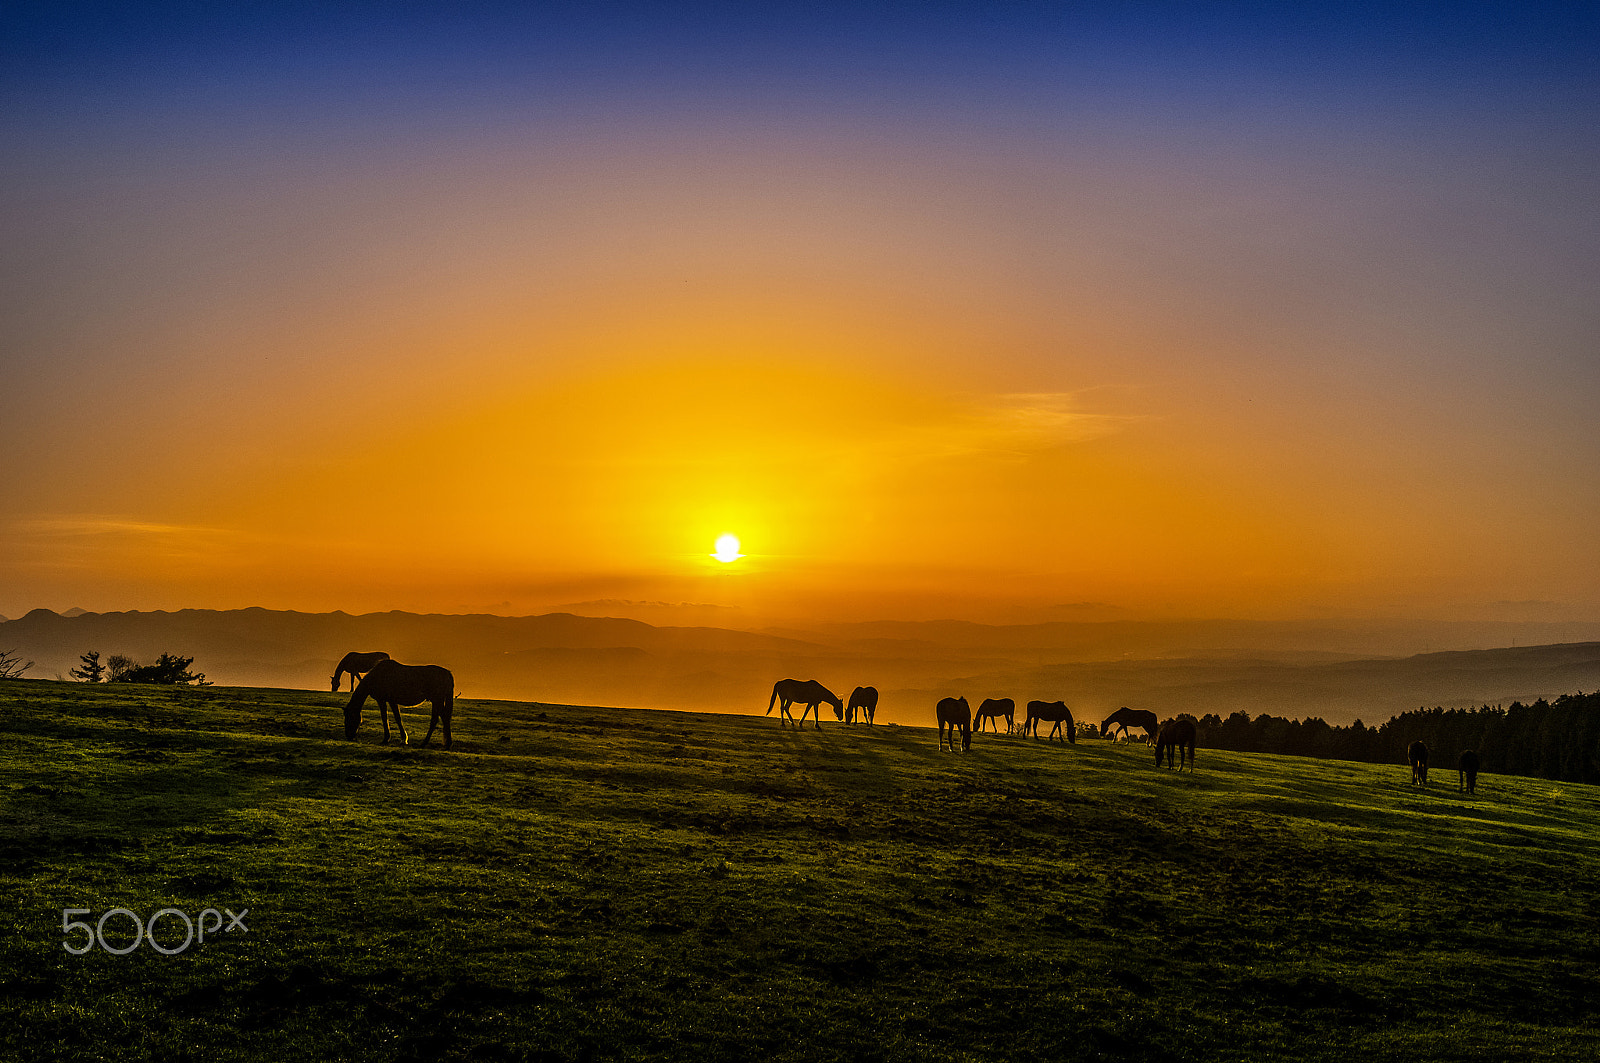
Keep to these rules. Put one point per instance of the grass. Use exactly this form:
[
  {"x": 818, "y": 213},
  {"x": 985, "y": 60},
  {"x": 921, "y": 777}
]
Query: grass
[{"x": 581, "y": 883}]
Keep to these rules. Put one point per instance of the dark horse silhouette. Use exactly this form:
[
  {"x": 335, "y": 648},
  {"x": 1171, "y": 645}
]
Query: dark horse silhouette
[
  {"x": 392, "y": 684},
  {"x": 786, "y": 692},
  {"x": 1047, "y": 711},
  {"x": 865, "y": 699},
  {"x": 1467, "y": 771},
  {"x": 1417, "y": 754},
  {"x": 358, "y": 665},
  {"x": 992, "y": 708},
  {"x": 1125, "y": 718},
  {"x": 953, "y": 713},
  {"x": 1176, "y": 735}
]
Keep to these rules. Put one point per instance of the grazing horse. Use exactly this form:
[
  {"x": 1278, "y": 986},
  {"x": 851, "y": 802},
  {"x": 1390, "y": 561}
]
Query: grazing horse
[
  {"x": 953, "y": 713},
  {"x": 1467, "y": 772},
  {"x": 358, "y": 665},
  {"x": 392, "y": 684},
  {"x": 1050, "y": 710},
  {"x": 865, "y": 699},
  {"x": 786, "y": 692},
  {"x": 1417, "y": 754},
  {"x": 992, "y": 708},
  {"x": 1176, "y": 735},
  {"x": 1125, "y": 718}
]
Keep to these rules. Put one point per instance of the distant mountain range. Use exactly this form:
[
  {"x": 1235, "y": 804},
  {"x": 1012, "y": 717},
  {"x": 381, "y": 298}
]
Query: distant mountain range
[{"x": 1298, "y": 669}]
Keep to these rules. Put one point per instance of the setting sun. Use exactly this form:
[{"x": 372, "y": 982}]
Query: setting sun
[{"x": 727, "y": 548}]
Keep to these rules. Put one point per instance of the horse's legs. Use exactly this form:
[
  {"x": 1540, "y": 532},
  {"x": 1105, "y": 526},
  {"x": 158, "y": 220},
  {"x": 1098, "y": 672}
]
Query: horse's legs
[
  {"x": 432, "y": 720},
  {"x": 399, "y": 725},
  {"x": 383, "y": 716}
]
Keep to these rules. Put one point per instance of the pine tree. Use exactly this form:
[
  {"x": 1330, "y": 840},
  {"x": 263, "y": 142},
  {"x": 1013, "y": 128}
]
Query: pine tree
[{"x": 92, "y": 671}]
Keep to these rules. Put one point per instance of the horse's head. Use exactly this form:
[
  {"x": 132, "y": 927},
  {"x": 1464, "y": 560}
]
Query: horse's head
[
  {"x": 352, "y": 714},
  {"x": 838, "y": 710},
  {"x": 335, "y": 688}
]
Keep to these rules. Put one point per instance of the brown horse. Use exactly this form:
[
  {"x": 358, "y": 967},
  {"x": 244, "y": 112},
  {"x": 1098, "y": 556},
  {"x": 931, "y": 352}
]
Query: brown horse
[
  {"x": 392, "y": 684},
  {"x": 993, "y": 708},
  {"x": 1125, "y": 718},
  {"x": 786, "y": 692},
  {"x": 1467, "y": 772},
  {"x": 358, "y": 665},
  {"x": 953, "y": 713},
  {"x": 1417, "y": 754},
  {"x": 865, "y": 699},
  {"x": 1176, "y": 735},
  {"x": 1048, "y": 711}
]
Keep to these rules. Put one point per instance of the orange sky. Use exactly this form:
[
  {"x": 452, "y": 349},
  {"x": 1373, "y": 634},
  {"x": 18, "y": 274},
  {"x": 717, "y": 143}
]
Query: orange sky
[{"x": 923, "y": 363}]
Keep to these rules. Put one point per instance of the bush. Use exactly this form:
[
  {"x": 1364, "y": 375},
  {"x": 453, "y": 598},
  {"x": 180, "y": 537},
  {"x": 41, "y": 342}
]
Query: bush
[
  {"x": 11, "y": 665},
  {"x": 169, "y": 668}
]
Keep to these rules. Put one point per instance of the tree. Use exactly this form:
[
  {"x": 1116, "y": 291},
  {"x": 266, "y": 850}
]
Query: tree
[
  {"x": 11, "y": 666},
  {"x": 169, "y": 668},
  {"x": 92, "y": 671},
  {"x": 117, "y": 667}
]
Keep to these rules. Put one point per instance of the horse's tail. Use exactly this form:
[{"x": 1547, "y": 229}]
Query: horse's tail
[{"x": 772, "y": 700}]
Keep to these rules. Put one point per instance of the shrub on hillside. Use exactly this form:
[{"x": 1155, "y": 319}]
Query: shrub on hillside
[{"x": 169, "y": 668}]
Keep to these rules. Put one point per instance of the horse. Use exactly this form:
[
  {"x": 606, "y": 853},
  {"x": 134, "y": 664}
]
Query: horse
[
  {"x": 786, "y": 692},
  {"x": 865, "y": 699},
  {"x": 953, "y": 713},
  {"x": 358, "y": 665},
  {"x": 1125, "y": 718},
  {"x": 1050, "y": 710},
  {"x": 1417, "y": 754},
  {"x": 1467, "y": 772},
  {"x": 1176, "y": 735},
  {"x": 992, "y": 708},
  {"x": 392, "y": 684}
]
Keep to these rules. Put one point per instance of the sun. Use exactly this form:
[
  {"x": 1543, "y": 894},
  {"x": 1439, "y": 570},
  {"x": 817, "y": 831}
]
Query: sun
[{"x": 727, "y": 548}]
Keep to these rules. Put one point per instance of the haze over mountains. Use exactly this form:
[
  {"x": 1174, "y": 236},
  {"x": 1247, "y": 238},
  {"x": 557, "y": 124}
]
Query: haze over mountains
[{"x": 1340, "y": 671}]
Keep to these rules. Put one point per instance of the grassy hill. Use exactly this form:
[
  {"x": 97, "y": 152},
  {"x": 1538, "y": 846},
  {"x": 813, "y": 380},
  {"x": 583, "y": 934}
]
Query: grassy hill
[{"x": 583, "y": 883}]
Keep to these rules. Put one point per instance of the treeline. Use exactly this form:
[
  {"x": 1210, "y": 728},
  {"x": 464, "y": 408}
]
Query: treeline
[
  {"x": 1547, "y": 740},
  {"x": 169, "y": 668}
]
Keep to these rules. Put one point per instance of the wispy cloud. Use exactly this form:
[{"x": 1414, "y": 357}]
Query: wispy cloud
[
  {"x": 91, "y": 525},
  {"x": 78, "y": 537},
  {"x": 1009, "y": 425}
]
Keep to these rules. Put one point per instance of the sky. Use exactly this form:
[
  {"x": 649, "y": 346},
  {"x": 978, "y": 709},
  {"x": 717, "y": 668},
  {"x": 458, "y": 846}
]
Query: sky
[{"x": 988, "y": 311}]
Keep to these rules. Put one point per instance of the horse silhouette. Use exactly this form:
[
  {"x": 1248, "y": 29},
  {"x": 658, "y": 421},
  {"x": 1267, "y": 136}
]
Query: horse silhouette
[
  {"x": 992, "y": 708},
  {"x": 1467, "y": 772},
  {"x": 865, "y": 699},
  {"x": 786, "y": 692},
  {"x": 358, "y": 665},
  {"x": 1125, "y": 718},
  {"x": 392, "y": 684},
  {"x": 953, "y": 713},
  {"x": 1417, "y": 754},
  {"x": 1176, "y": 736},
  {"x": 1048, "y": 711}
]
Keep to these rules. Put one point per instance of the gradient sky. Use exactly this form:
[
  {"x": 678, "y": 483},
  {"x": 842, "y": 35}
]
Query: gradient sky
[{"x": 984, "y": 311}]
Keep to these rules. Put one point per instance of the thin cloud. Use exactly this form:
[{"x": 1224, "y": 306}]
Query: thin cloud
[{"x": 1011, "y": 425}]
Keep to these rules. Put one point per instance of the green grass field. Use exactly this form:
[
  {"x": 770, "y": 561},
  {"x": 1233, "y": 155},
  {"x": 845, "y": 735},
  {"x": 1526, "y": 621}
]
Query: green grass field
[{"x": 579, "y": 883}]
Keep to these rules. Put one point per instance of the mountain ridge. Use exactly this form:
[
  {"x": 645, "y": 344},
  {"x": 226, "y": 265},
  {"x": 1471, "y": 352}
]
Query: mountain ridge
[{"x": 563, "y": 657}]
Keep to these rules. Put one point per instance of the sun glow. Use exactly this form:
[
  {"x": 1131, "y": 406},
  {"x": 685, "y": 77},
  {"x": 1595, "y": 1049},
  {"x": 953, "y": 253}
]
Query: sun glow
[{"x": 727, "y": 548}]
